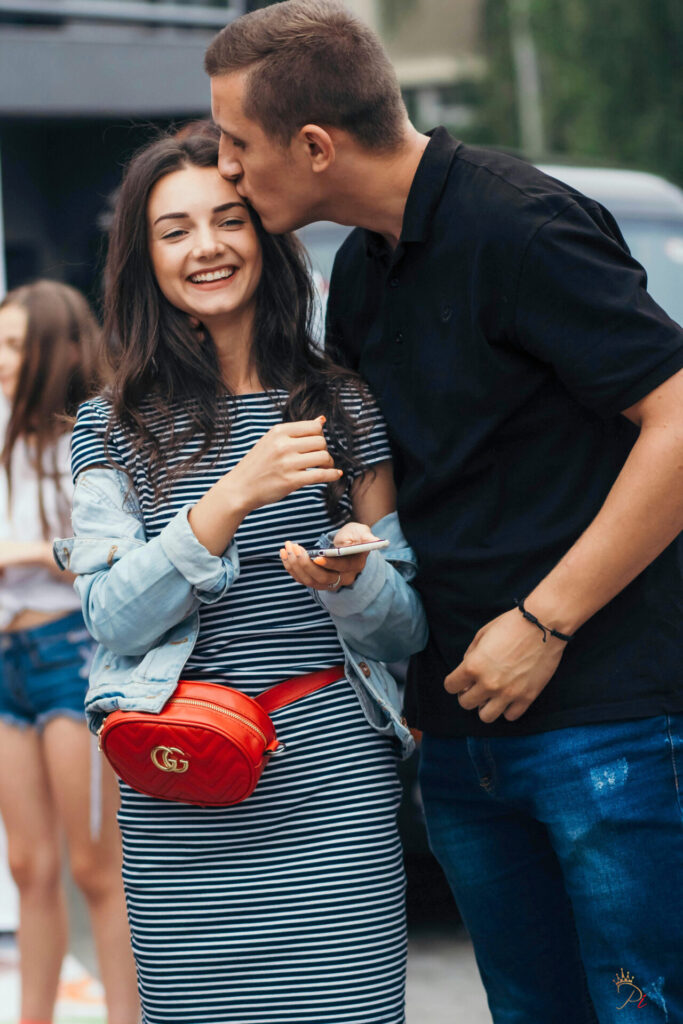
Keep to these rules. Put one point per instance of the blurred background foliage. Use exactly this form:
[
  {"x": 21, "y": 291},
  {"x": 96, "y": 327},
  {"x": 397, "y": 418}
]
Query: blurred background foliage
[
  {"x": 393, "y": 10},
  {"x": 611, "y": 88}
]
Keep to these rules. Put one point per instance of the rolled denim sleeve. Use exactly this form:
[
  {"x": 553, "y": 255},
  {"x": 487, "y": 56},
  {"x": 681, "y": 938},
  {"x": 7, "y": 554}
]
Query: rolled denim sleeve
[
  {"x": 133, "y": 590},
  {"x": 380, "y": 615},
  {"x": 209, "y": 575},
  {"x": 362, "y": 593}
]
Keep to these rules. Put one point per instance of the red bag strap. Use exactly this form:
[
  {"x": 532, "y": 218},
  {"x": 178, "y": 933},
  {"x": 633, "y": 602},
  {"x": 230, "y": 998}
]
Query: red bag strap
[{"x": 299, "y": 686}]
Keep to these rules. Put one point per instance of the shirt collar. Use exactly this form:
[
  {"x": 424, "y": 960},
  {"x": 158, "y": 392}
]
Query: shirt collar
[
  {"x": 428, "y": 184},
  {"x": 425, "y": 191}
]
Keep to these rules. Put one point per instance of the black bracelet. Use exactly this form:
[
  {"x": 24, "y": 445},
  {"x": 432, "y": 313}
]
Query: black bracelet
[{"x": 544, "y": 629}]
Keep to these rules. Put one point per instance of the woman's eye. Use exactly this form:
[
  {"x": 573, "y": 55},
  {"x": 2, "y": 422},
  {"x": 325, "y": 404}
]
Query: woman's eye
[
  {"x": 232, "y": 222},
  {"x": 176, "y": 233}
]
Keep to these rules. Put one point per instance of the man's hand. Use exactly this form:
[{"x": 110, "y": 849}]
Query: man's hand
[
  {"x": 507, "y": 664},
  {"x": 505, "y": 668}
]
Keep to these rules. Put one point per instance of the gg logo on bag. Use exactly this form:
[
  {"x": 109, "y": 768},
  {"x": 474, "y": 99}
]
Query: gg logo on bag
[{"x": 163, "y": 759}]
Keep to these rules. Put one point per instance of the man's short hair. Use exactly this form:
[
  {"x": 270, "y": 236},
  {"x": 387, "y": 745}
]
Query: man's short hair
[{"x": 311, "y": 61}]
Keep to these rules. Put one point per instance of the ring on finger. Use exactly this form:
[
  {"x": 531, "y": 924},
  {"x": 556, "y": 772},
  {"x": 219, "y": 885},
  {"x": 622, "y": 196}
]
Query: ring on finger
[{"x": 336, "y": 584}]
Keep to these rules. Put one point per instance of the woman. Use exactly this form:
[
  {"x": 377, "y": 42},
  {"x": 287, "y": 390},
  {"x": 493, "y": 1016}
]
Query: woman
[
  {"x": 48, "y": 344},
  {"x": 226, "y": 438}
]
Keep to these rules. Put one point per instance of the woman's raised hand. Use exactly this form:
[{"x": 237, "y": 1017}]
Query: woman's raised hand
[
  {"x": 289, "y": 456},
  {"x": 329, "y": 573}
]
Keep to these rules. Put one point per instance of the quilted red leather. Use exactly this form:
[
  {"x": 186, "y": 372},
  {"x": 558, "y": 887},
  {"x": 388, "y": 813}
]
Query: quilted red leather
[{"x": 209, "y": 744}]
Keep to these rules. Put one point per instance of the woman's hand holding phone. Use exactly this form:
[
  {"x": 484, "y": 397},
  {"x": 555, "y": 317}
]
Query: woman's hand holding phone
[{"x": 329, "y": 573}]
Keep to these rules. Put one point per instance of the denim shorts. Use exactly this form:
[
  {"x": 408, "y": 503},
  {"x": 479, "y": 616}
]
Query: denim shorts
[{"x": 44, "y": 672}]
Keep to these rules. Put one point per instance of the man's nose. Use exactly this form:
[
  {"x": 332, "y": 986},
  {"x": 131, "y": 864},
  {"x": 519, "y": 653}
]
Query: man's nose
[{"x": 228, "y": 164}]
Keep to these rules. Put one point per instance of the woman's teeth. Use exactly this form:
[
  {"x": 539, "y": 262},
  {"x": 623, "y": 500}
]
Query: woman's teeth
[{"x": 212, "y": 275}]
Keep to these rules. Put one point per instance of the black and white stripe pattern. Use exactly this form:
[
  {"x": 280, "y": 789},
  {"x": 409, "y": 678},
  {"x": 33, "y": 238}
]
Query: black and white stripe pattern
[
  {"x": 267, "y": 627},
  {"x": 288, "y": 908}
]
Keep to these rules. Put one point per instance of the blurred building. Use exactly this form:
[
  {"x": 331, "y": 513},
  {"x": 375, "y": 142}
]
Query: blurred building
[
  {"x": 82, "y": 81},
  {"x": 435, "y": 46}
]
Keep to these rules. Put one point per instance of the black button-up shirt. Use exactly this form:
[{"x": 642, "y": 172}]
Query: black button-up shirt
[{"x": 502, "y": 337}]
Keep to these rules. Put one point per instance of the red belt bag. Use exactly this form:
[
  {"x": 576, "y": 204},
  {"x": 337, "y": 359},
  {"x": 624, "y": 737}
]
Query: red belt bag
[{"x": 209, "y": 743}]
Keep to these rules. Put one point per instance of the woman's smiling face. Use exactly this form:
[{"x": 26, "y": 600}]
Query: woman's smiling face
[{"x": 205, "y": 253}]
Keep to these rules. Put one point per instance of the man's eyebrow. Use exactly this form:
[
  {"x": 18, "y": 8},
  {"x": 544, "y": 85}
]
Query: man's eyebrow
[{"x": 184, "y": 216}]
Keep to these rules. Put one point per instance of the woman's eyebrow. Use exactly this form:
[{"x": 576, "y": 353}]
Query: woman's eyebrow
[
  {"x": 216, "y": 209},
  {"x": 171, "y": 216},
  {"x": 228, "y": 206}
]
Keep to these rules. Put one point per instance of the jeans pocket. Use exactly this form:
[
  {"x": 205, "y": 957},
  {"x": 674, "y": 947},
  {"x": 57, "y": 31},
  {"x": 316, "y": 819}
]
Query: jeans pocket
[{"x": 52, "y": 651}]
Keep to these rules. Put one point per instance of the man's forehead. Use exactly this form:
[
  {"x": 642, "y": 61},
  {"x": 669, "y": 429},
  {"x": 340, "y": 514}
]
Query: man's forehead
[
  {"x": 228, "y": 112},
  {"x": 226, "y": 95}
]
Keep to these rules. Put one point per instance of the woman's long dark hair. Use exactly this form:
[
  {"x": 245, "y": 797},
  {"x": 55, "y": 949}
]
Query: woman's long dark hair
[
  {"x": 160, "y": 359},
  {"x": 60, "y": 368}
]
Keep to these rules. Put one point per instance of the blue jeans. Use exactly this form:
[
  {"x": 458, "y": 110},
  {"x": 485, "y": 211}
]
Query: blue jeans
[
  {"x": 564, "y": 851},
  {"x": 44, "y": 672}
]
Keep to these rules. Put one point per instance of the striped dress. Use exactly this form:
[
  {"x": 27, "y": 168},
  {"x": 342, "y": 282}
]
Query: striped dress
[{"x": 288, "y": 908}]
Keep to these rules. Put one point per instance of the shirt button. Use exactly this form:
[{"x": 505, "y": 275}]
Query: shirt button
[
  {"x": 394, "y": 282},
  {"x": 399, "y": 338},
  {"x": 446, "y": 314},
  {"x": 363, "y": 666}
]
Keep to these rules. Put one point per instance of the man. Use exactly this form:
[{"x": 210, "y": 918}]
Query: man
[{"x": 534, "y": 397}]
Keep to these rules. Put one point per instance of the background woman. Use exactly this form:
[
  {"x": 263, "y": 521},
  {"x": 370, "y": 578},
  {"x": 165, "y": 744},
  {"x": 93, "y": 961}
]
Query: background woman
[
  {"x": 215, "y": 451},
  {"x": 48, "y": 364}
]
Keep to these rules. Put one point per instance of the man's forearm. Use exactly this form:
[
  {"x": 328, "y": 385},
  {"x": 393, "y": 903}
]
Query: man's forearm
[
  {"x": 506, "y": 666},
  {"x": 642, "y": 514}
]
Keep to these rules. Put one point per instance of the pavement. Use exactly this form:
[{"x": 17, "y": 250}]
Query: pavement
[
  {"x": 79, "y": 1001},
  {"x": 443, "y": 981}
]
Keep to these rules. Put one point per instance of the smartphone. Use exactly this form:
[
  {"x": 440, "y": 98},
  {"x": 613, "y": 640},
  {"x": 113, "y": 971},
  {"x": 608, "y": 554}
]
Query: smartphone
[{"x": 348, "y": 549}]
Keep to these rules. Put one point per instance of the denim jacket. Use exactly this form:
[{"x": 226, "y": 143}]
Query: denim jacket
[{"x": 141, "y": 598}]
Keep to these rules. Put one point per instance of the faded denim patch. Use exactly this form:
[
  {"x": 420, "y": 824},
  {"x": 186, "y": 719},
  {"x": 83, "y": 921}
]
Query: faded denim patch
[{"x": 609, "y": 777}]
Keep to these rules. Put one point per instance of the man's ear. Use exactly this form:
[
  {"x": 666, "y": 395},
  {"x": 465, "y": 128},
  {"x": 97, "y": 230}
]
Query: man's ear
[{"x": 318, "y": 146}]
